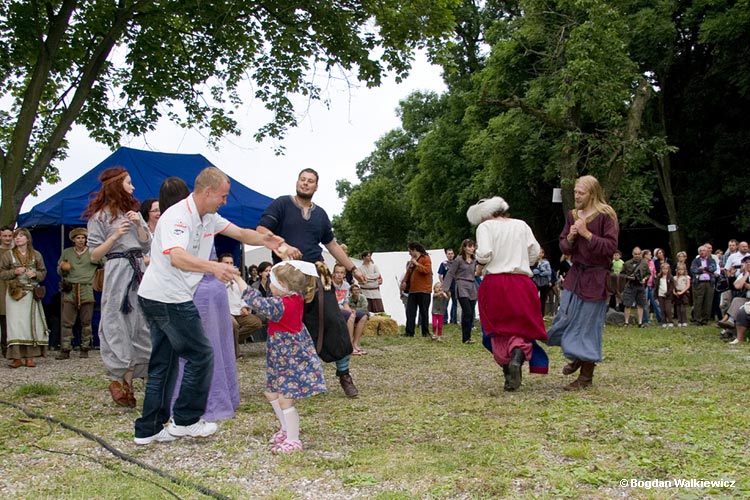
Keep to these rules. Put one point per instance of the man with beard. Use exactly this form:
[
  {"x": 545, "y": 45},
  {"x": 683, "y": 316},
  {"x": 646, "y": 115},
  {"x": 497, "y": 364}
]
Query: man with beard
[
  {"x": 590, "y": 238},
  {"x": 304, "y": 225}
]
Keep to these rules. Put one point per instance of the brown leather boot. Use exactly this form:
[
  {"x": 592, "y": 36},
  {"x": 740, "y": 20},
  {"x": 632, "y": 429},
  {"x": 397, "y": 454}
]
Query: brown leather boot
[
  {"x": 571, "y": 367},
  {"x": 84, "y": 353},
  {"x": 348, "y": 385},
  {"x": 131, "y": 402},
  {"x": 64, "y": 354},
  {"x": 584, "y": 378},
  {"x": 118, "y": 393}
]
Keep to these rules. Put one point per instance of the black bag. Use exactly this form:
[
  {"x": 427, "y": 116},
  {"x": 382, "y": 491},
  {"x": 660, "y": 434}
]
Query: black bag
[
  {"x": 329, "y": 324},
  {"x": 540, "y": 281},
  {"x": 722, "y": 283},
  {"x": 66, "y": 286}
]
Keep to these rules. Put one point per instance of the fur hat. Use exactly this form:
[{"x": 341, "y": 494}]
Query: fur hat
[
  {"x": 75, "y": 232},
  {"x": 484, "y": 209}
]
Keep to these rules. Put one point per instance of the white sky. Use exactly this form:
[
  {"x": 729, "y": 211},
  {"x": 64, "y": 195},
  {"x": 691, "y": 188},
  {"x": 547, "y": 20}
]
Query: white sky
[{"x": 332, "y": 141}]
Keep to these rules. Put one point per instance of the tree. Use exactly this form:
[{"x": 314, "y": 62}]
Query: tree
[{"x": 117, "y": 67}]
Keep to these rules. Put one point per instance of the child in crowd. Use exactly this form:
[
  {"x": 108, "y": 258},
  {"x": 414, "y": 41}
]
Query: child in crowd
[
  {"x": 664, "y": 293},
  {"x": 293, "y": 369},
  {"x": 681, "y": 291},
  {"x": 439, "y": 306},
  {"x": 617, "y": 262}
]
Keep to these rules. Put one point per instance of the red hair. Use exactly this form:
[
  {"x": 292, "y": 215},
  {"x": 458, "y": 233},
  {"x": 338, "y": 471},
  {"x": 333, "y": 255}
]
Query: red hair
[{"x": 112, "y": 195}]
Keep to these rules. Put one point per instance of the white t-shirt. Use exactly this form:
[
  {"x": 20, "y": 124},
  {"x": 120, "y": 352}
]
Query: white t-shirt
[
  {"x": 734, "y": 260},
  {"x": 179, "y": 227}
]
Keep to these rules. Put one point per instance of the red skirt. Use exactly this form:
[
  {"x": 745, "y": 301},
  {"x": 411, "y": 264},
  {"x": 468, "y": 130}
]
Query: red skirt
[{"x": 509, "y": 306}]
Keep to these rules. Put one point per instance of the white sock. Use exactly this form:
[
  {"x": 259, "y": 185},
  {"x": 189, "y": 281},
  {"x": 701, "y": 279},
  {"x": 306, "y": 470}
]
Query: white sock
[
  {"x": 292, "y": 423},
  {"x": 279, "y": 413}
]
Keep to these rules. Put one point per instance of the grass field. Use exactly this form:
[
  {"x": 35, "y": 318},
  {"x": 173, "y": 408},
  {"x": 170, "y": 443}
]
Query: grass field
[{"x": 432, "y": 421}]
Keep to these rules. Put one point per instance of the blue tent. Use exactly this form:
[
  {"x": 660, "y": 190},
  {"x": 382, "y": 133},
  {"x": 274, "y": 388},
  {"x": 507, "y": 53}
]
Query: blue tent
[
  {"x": 51, "y": 220},
  {"x": 147, "y": 171}
]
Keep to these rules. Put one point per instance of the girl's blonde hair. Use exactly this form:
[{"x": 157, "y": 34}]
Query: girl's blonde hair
[
  {"x": 668, "y": 274},
  {"x": 294, "y": 279},
  {"x": 680, "y": 267}
]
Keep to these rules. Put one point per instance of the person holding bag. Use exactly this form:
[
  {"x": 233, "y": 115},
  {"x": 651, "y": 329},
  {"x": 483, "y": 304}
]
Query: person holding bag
[
  {"x": 23, "y": 268},
  {"x": 542, "y": 278}
]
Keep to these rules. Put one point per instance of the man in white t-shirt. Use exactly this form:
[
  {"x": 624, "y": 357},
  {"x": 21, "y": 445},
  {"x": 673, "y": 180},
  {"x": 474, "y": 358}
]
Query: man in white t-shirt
[{"x": 180, "y": 254}]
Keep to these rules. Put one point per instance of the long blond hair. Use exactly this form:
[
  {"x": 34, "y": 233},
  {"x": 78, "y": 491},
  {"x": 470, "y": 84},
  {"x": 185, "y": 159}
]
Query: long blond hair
[{"x": 597, "y": 195}]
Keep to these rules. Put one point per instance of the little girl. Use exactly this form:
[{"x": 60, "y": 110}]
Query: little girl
[
  {"x": 293, "y": 368},
  {"x": 664, "y": 293},
  {"x": 439, "y": 306},
  {"x": 681, "y": 290}
]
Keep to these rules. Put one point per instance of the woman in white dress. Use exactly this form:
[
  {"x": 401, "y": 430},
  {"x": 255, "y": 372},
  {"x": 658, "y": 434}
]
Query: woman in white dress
[{"x": 23, "y": 268}]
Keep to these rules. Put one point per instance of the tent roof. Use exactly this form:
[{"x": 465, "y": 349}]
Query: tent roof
[{"x": 147, "y": 170}]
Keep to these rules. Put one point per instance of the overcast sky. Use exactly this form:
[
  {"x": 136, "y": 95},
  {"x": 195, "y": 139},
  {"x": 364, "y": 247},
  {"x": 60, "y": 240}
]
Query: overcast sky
[{"x": 331, "y": 141}]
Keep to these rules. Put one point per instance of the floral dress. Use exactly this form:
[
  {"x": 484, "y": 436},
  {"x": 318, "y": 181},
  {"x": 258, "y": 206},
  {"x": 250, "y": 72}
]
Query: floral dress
[{"x": 293, "y": 368}]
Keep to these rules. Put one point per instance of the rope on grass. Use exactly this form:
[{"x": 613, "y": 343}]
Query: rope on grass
[{"x": 122, "y": 456}]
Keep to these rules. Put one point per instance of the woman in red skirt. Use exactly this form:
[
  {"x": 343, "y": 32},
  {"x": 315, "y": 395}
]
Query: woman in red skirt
[{"x": 508, "y": 299}]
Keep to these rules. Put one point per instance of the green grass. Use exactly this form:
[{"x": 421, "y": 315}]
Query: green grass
[{"x": 432, "y": 422}]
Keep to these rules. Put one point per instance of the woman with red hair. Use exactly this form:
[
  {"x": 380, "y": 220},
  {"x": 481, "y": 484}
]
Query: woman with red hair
[{"x": 119, "y": 237}]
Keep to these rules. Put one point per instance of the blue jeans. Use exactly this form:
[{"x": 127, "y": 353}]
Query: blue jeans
[
  {"x": 652, "y": 304},
  {"x": 176, "y": 332}
]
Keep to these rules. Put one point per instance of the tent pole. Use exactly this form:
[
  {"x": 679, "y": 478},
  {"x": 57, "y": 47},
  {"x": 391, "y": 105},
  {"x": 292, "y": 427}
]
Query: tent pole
[
  {"x": 243, "y": 268},
  {"x": 62, "y": 247}
]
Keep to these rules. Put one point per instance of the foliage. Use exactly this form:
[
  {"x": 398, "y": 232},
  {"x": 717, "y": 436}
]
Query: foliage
[
  {"x": 118, "y": 67},
  {"x": 650, "y": 97}
]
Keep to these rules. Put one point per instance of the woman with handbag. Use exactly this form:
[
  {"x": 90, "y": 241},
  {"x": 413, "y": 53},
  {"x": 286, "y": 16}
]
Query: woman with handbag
[
  {"x": 23, "y": 268},
  {"x": 119, "y": 237},
  {"x": 542, "y": 278}
]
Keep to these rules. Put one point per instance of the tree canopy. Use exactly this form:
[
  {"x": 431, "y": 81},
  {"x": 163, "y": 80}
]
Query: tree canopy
[
  {"x": 647, "y": 96},
  {"x": 117, "y": 67}
]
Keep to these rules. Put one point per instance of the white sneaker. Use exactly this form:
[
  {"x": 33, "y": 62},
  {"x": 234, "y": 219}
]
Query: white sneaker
[
  {"x": 734, "y": 342},
  {"x": 670, "y": 325},
  {"x": 161, "y": 437},
  {"x": 199, "y": 429}
]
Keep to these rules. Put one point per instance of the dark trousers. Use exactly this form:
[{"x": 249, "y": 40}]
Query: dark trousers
[
  {"x": 3, "y": 334},
  {"x": 703, "y": 296},
  {"x": 421, "y": 301},
  {"x": 176, "y": 332},
  {"x": 665, "y": 304},
  {"x": 543, "y": 294},
  {"x": 467, "y": 317}
]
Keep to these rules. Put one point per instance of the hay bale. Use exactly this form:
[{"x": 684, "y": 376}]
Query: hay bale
[{"x": 381, "y": 325}]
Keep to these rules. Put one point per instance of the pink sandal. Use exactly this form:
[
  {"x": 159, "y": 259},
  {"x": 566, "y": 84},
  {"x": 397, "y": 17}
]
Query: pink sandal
[
  {"x": 278, "y": 437},
  {"x": 286, "y": 447}
]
